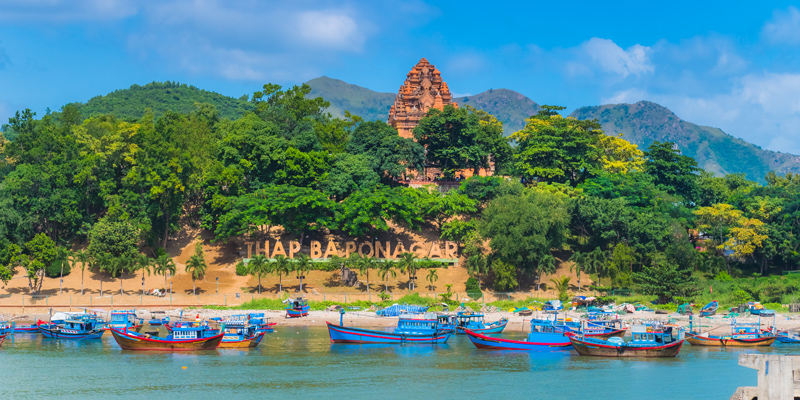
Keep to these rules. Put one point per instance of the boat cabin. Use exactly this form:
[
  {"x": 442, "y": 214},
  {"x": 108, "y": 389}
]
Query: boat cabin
[
  {"x": 80, "y": 322},
  {"x": 651, "y": 335},
  {"x": 121, "y": 319},
  {"x": 469, "y": 320},
  {"x": 299, "y": 303},
  {"x": 417, "y": 326}
]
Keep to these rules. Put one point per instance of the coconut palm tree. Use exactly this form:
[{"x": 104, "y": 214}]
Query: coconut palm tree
[
  {"x": 62, "y": 258},
  {"x": 432, "y": 277},
  {"x": 408, "y": 264},
  {"x": 578, "y": 263},
  {"x": 596, "y": 261},
  {"x": 163, "y": 265},
  {"x": 103, "y": 262},
  {"x": 302, "y": 264},
  {"x": 363, "y": 265},
  {"x": 196, "y": 267},
  {"x": 547, "y": 265},
  {"x": 144, "y": 264},
  {"x": 259, "y": 266},
  {"x": 562, "y": 287},
  {"x": 283, "y": 265},
  {"x": 387, "y": 269},
  {"x": 84, "y": 258},
  {"x": 115, "y": 267},
  {"x": 477, "y": 265}
]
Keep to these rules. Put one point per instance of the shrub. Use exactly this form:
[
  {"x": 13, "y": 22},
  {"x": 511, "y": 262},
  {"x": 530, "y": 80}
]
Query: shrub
[
  {"x": 241, "y": 269},
  {"x": 722, "y": 276},
  {"x": 384, "y": 296},
  {"x": 740, "y": 296},
  {"x": 473, "y": 290},
  {"x": 53, "y": 270}
]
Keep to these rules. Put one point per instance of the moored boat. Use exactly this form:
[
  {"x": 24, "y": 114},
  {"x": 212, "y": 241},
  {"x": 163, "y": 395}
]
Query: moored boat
[
  {"x": 544, "y": 336},
  {"x": 181, "y": 339},
  {"x": 742, "y": 335},
  {"x": 475, "y": 322},
  {"x": 124, "y": 319},
  {"x": 792, "y": 336},
  {"x": 647, "y": 341},
  {"x": 343, "y": 334},
  {"x": 298, "y": 308},
  {"x": 25, "y": 328},
  {"x": 710, "y": 309},
  {"x": 6, "y": 329},
  {"x": 240, "y": 332},
  {"x": 64, "y": 325}
]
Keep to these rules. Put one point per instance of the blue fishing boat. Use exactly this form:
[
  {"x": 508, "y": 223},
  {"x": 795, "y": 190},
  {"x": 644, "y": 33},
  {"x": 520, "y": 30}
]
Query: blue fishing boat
[
  {"x": 6, "y": 328},
  {"x": 742, "y": 335},
  {"x": 158, "y": 318},
  {"x": 261, "y": 322},
  {"x": 398, "y": 309},
  {"x": 710, "y": 309},
  {"x": 473, "y": 321},
  {"x": 24, "y": 328},
  {"x": 412, "y": 331},
  {"x": 298, "y": 308},
  {"x": 240, "y": 332},
  {"x": 552, "y": 305},
  {"x": 184, "y": 336},
  {"x": 65, "y": 325},
  {"x": 544, "y": 336},
  {"x": 446, "y": 323},
  {"x": 792, "y": 337},
  {"x": 124, "y": 319},
  {"x": 647, "y": 341}
]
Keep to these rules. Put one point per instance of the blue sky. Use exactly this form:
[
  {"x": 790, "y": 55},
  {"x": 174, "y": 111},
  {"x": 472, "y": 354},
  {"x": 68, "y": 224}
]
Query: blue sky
[{"x": 732, "y": 65}]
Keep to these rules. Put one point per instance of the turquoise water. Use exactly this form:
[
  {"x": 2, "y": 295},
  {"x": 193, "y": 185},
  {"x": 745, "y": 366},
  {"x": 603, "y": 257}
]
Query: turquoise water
[{"x": 301, "y": 362}]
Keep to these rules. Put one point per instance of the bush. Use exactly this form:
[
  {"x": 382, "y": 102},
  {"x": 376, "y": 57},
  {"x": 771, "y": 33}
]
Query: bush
[
  {"x": 53, "y": 270},
  {"x": 241, "y": 269},
  {"x": 722, "y": 276},
  {"x": 473, "y": 290}
]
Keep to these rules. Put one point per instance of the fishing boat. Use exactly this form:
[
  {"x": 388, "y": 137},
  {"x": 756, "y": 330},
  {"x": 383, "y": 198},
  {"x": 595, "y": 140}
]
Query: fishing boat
[
  {"x": 26, "y": 328},
  {"x": 756, "y": 308},
  {"x": 240, "y": 332},
  {"x": 742, "y": 335},
  {"x": 647, "y": 341},
  {"x": 69, "y": 325},
  {"x": 710, "y": 309},
  {"x": 6, "y": 328},
  {"x": 602, "y": 329},
  {"x": 792, "y": 336},
  {"x": 446, "y": 323},
  {"x": 298, "y": 308},
  {"x": 474, "y": 322},
  {"x": 552, "y": 306},
  {"x": 544, "y": 336},
  {"x": 184, "y": 336},
  {"x": 262, "y": 323},
  {"x": 412, "y": 331},
  {"x": 158, "y": 318},
  {"x": 124, "y": 319}
]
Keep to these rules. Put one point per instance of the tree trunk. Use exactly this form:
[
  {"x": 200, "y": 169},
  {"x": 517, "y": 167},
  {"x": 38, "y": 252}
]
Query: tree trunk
[
  {"x": 61, "y": 282},
  {"x": 280, "y": 282},
  {"x": 165, "y": 281},
  {"x": 166, "y": 229},
  {"x": 122, "y": 292},
  {"x": 301, "y": 284},
  {"x": 194, "y": 288},
  {"x": 367, "y": 282},
  {"x": 82, "y": 280},
  {"x": 259, "y": 284}
]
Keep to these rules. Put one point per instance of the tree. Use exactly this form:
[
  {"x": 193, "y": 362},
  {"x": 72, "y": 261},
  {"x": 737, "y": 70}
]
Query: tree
[
  {"x": 579, "y": 260},
  {"x": 283, "y": 265},
  {"x": 547, "y": 265},
  {"x": 561, "y": 285},
  {"x": 673, "y": 172},
  {"x": 164, "y": 266},
  {"x": 103, "y": 262},
  {"x": 441, "y": 207},
  {"x": 432, "y": 277},
  {"x": 116, "y": 236},
  {"x": 259, "y": 266},
  {"x": 144, "y": 264},
  {"x": 363, "y": 264},
  {"x": 302, "y": 264},
  {"x": 664, "y": 279},
  {"x": 41, "y": 252},
  {"x": 350, "y": 173},
  {"x": 596, "y": 262},
  {"x": 408, "y": 265},
  {"x": 387, "y": 269},
  {"x": 504, "y": 275},
  {"x": 390, "y": 155},
  {"x": 552, "y": 148},
  {"x": 462, "y": 138},
  {"x": 116, "y": 267},
  {"x": 62, "y": 258},
  {"x": 196, "y": 265},
  {"x": 731, "y": 229},
  {"x": 84, "y": 258},
  {"x": 522, "y": 229},
  {"x": 364, "y": 212}
]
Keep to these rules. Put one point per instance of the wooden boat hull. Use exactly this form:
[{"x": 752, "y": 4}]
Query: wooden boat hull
[
  {"x": 242, "y": 344},
  {"x": 56, "y": 332},
  {"x": 134, "y": 342},
  {"x": 341, "y": 334},
  {"x": 729, "y": 341},
  {"x": 552, "y": 342},
  {"x": 585, "y": 348},
  {"x": 297, "y": 313}
]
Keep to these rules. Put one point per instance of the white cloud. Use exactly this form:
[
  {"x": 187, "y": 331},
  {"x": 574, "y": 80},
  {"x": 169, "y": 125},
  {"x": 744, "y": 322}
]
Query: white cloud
[
  {"x": 784, "y": 27},
  {"x": 611, "y": 58},
  {"x": 331, "y": 29}
]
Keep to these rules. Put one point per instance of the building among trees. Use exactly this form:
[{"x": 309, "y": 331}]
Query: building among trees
[{"x": 423, "y": 89}]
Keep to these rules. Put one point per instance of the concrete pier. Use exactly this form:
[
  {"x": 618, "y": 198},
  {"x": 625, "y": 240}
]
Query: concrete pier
[{"x": 778, "y": 377}]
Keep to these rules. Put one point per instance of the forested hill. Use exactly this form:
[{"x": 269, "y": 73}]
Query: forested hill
[
  {"x": 508, "y": 106},
  {"x": 130, "y": 104},
  {"x": 715, "y": 151}
]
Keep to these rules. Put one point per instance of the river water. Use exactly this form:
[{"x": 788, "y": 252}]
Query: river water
[{"x": 302, "y": 363}]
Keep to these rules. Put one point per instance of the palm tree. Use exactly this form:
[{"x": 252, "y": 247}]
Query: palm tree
[
  {"x": 432, "y": 277},
  {"x": 596, "y": 261},
  {"x": 363, "y": 264},
  {"x": 196, "y": 267},
  {"x": 302, "y": 264},
  {"x": 143, "y": 263},
  {"x": 62, "y": 258},
  {"x": 477, "y": 265},
  {"x": 578, "y": 263},
  {"x": 103, "y": 262},
  {"x": 84, "y": 258},
  {"x": 386, "y": 269},
  {"x": 116, "y": 267},
  {"x": 283, "y": 265},
  {"x": 547, "y": 265},
  {"x": 562, "y": 286},
  {"x": 259, "y": 265},
  {"x": 163, "y": 265},
  {"x": 408, "y": 265}
]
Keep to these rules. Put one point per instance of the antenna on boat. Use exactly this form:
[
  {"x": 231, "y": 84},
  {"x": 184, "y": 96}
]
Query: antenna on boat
[{"x": 341, "y": 316}]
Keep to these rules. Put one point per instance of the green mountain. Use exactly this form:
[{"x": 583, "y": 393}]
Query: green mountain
[
  {"x": 715, "y": 151},
  {"x": 508, "y": 106},
  {"x": 131, "y": 103}
]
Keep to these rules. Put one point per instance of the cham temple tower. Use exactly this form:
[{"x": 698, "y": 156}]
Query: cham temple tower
[{"x": 423, "y": 89}]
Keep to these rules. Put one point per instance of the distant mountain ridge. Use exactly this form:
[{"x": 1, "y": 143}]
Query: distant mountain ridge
[
  {"x": 508, "y": 106},
  {"x": 715, "y": 151}
]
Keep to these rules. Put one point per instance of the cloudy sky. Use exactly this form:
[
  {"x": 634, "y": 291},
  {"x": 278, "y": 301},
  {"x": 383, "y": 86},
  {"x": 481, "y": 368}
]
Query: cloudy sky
[{"x": 732, "y": 65}]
